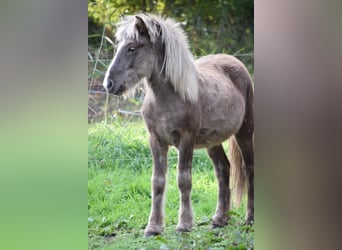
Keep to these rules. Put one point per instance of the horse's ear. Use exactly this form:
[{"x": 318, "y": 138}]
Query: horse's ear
[
  {"x": 141, "y": 26},
  {"x": 158, "y": 27}
]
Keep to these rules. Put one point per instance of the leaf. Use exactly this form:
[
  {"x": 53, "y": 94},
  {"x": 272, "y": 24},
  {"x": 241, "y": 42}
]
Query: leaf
[{"x": 158, "y": 237}]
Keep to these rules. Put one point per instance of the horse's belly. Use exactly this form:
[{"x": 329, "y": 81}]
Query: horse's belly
[
  {"x": 219, "y": 123},
  {"x": 207, "y": 137}
]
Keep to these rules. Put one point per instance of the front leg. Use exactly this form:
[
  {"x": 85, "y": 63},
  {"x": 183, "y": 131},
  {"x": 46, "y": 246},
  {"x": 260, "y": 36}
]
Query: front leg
[
  {"x": 159, "y": 154},
  {"x": 185, "y": 148}
]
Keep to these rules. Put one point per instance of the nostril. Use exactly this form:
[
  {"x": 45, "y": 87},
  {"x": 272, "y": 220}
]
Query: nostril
[{"x": 110, "y": 84}]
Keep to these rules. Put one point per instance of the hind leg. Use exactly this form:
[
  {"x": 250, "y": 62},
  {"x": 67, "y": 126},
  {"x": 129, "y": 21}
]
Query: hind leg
[
  {"x": 244, "y": 139},
  {"x": 221, "y": 165}
]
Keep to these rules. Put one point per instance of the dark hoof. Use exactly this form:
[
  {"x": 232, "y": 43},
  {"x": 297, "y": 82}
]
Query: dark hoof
[
  {"x": 152, "y": 230},
  {"x": 213, "y": 226},
  {"x": 219, "y": 221},
  {"x": 184, "y": 227},
  {"x": 150, "y": 234},
  {"x": 249, "y": 221},
  {"x": 182, "y": 230}
]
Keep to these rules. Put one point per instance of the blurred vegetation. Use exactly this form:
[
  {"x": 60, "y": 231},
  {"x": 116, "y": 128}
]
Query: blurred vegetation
[{"x": 215, "y": 26}]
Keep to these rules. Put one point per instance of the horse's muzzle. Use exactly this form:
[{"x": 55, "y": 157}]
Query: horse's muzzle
[{"x": 116, "y": 89}]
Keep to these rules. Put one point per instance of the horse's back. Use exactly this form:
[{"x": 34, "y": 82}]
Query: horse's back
[
  {"x": 229, "y": 66},
  {"x": 223, "y": 82}
]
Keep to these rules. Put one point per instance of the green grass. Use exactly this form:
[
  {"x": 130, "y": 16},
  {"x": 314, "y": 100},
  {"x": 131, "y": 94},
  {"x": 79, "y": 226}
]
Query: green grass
[{"x": 120, "y": 165}]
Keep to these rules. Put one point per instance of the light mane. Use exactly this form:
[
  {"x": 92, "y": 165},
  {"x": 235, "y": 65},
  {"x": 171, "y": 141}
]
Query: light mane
[{"x": 178, "y": 62}]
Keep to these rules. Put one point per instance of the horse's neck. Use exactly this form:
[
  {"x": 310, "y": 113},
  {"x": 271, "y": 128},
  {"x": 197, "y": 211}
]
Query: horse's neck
[{"x": 161, "y": 88}]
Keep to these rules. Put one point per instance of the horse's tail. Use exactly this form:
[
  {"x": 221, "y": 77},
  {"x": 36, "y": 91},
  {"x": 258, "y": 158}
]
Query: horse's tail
[
  {"x": 237, "y": 175},
  {"x": 238, "y": 180}
]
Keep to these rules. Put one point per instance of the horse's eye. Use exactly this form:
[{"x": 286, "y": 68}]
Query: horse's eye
[{"x": 131, "y": 49}]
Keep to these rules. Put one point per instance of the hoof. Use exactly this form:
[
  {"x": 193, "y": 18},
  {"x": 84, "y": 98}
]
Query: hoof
[
  {"x": 249, "y": 221},
  {"x": 150, "y": 234},
  {"x": 219, "y": 221},
  {"x": 183, "y": 228},
  {"x": 213, "y": 226},
  {"x": 152, "y": 230}
]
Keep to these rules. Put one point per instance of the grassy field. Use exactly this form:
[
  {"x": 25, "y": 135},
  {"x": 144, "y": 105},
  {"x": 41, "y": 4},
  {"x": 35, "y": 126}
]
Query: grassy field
[{"x": 119, "y": 173}]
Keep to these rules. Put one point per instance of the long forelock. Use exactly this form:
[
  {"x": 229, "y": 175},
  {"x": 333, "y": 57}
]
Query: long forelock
[
  {"x": 178, "y": 62},
  {"x": 126, "y": 29}
]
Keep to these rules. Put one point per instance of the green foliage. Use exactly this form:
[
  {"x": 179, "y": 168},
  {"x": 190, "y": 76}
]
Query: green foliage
[
  {"x": 119, "y": 173},
  {"x": 217, "y": 26}
]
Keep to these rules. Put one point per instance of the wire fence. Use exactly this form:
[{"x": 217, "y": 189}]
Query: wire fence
[{"x": 109, "y": 60}]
